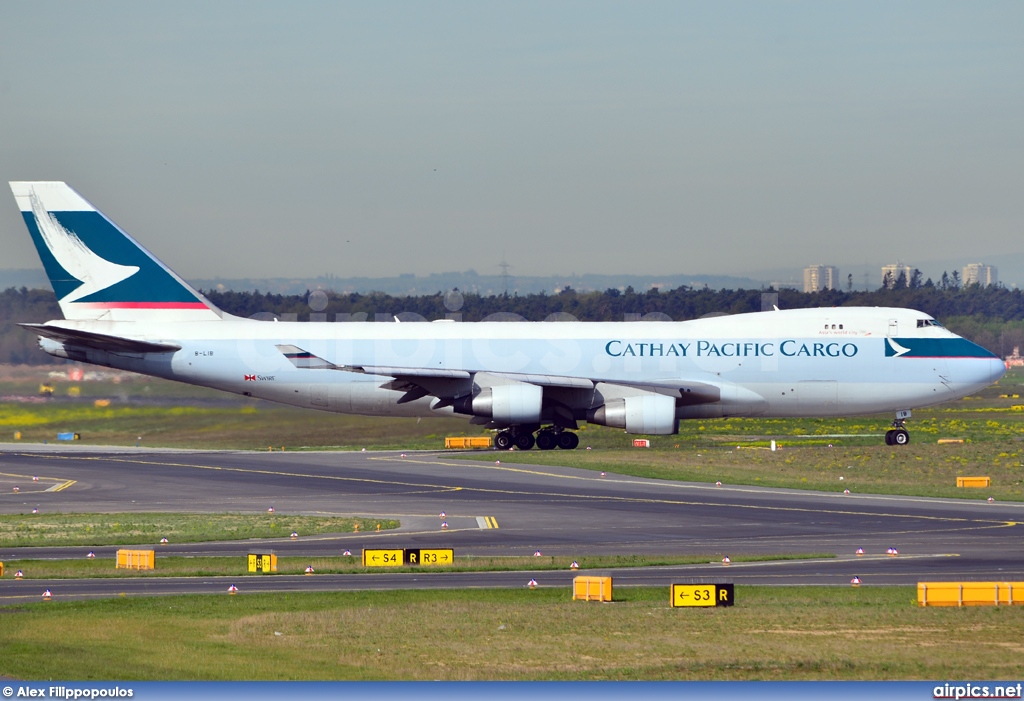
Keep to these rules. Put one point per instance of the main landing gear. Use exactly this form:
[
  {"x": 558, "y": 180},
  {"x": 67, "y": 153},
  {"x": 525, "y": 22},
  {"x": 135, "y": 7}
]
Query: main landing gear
[
  {"x": 547, "y": 439},
  {"x": 898, "y": 434}
]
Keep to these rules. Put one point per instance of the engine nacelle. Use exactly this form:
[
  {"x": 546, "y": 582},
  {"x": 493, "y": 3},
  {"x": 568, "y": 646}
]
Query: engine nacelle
[
  {"x": 507, "y": 404},
  {"x": 653, "y": 414}
]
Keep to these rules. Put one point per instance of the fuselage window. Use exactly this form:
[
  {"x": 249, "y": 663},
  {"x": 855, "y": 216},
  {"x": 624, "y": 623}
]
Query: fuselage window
[{"x": 840, "y": 327}]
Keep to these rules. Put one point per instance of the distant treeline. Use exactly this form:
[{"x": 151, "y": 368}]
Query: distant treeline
[
  {"x": 990, "y": 316},
  {"x": 17, "y": 346},
  {"x": 989, "y": 303}
]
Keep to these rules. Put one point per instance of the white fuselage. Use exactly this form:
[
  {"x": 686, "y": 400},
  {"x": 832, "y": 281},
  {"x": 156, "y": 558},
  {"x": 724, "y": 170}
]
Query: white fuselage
[{"x": 810, "y": 362}]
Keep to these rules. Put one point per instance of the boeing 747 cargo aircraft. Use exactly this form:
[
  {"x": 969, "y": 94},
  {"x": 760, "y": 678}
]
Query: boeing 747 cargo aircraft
[{"x": 532, "y": 382}]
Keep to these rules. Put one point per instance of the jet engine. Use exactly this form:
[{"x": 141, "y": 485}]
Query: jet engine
[
  {"x": 653, "y": 414},
  {"x": 505, "y": 404}
]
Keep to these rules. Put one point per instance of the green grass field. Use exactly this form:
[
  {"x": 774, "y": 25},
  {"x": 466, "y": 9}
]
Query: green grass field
[
  {"x": 19, "y": 530},
  {"x": 771, "y": 633}
]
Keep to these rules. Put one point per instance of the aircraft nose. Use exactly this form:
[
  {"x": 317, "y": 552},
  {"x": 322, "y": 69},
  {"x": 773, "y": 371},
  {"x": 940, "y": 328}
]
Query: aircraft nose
[{"x": 997, "y": 368}]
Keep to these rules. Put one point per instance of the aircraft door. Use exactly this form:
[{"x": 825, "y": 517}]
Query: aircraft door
[
  {"x": 318, "y": 395},
  {"x": 894, "y": 328}
]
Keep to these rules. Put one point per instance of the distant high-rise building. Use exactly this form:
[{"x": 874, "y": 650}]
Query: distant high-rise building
[
  {"x": 891, "y": 274},
  {"x": 979, "y": 274},
  {"x": 820, "y": 277}
]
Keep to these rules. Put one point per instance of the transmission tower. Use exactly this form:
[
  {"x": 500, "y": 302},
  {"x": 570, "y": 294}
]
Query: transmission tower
[{"x": 504, "y": 265}]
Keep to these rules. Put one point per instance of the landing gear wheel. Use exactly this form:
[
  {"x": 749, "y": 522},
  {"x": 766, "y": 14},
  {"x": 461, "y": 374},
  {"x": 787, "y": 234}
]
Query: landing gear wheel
[
  {"x": 888, "y": 437},
  {"x": 546, "y": 440},
  {"x": 503, "y": 441},
  {"x": 524, "y": 441},
  {"x": 900, "y": 437},
  {"x": 567, "y": 440}
]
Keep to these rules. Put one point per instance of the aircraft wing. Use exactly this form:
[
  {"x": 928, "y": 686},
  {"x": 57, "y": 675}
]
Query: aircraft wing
[
  {"x": 305, "y": 359},
  {"x": 446, "y": 384},
  {"x": 100, "y": 341}
]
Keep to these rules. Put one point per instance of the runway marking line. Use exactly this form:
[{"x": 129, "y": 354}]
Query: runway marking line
[
  {"x": 513, "y": 492},
  {"x": 625, "y": 572},
  {"x": 245, "y": 470},
  {"x": 61, "y": 483}
]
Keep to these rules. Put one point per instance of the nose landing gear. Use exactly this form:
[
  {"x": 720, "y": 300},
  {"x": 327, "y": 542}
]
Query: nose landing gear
[{"x": 898, "y": 434}]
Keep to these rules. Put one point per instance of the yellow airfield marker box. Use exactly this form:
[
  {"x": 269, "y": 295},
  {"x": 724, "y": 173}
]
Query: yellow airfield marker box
[
  {"x": 974, "y": 481},
  {"x": 136, "y": 559},
  {"x": 970, "y": 593},
  {"x": 591, "y": 588}
]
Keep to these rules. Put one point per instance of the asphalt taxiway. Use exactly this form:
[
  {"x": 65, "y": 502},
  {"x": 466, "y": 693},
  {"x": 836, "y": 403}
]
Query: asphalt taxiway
[{"x": 506, "y": 509}]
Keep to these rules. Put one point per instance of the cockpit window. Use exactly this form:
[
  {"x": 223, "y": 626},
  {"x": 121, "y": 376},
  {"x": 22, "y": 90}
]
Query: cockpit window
[{"x": 924, "y": 323}]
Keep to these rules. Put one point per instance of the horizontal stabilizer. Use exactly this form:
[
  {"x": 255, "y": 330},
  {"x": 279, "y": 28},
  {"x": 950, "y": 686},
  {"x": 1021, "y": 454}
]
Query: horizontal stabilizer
[{"x": 99, "y": 341}]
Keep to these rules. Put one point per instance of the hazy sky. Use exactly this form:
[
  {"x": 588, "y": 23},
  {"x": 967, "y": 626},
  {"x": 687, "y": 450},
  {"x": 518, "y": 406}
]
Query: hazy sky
[{"x": 301, "y": 138}]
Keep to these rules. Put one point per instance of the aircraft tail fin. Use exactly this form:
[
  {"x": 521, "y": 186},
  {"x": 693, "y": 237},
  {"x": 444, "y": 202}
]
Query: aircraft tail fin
[{"x": 98, "y": 271}]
